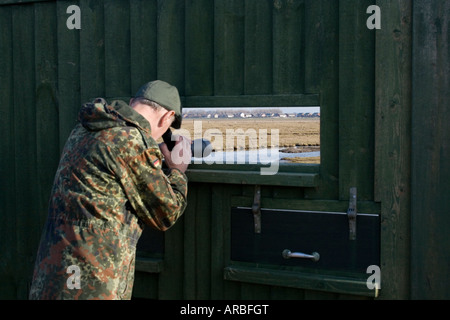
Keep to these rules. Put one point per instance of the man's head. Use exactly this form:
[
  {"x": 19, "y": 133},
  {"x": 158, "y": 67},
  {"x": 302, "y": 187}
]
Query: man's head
[{"x": 159, "y": 102}]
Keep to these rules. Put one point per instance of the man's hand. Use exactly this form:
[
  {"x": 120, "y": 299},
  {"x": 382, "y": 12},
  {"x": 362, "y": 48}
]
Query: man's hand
[{"x": 181, "y": 155}]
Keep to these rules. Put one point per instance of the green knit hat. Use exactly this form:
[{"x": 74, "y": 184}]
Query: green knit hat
[{"x": 165, "y": 95}]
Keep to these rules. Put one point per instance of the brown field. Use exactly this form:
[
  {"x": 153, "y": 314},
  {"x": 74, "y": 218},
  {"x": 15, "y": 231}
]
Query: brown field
[{"x": 296, "y": 135}]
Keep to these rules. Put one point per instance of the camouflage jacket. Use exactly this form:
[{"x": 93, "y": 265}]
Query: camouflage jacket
[{"x": 108, "y": 185}]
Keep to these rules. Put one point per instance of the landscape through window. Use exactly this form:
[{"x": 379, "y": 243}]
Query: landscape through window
[{"x": 256, "y": 135}]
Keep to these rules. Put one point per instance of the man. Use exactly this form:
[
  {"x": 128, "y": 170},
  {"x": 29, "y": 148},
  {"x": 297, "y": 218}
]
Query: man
[{"x": 108, "y": 185}]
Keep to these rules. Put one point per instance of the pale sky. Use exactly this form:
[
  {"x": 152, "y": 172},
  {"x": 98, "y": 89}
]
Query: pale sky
[{"x": 283, "y": 109}]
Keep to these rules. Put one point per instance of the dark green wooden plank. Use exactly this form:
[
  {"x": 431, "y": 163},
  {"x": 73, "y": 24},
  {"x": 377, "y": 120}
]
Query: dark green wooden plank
[
  {"x": 258, "y": 47},
  {"x": 230, "y": 290},
  {"x": 47, "y": 119},
  {"x": 283, "y": 168},
  {"x": 288, "y": 46},
  {"x": 9, "y": 2},
  {"x": 393, "y": 145},
  {"x": 252, "y": 100},
  {"x": 197, "y": 243},
  {"x": 68, "y": 73},
  {"x": 220, "y": 238},
  {"x": 117, "y": 48},
  {"x": 229, "y": 47},
  {"x": 145, "y": 286},
  {"x": 250, "y": 291},
  {"x": 314, "y": 44},
  {"x": 253, "y": 177},
  {"x": 199, "y": 47},
  {"x": 430, "y": 218},
  {"x": 292, "y": 279},
  {"x": 8, "y": 243},
  {"x": 171, "y": 279},
  {"x": 92, "y": 50},
  {"x": 143, "y": 42},
  {"x": 25, "y": 143},
  {"x": 352, "y": 297},
  {"x": 356, "y": 100},
  {"x": 316, "y": 19},
  {"x": 283, "y": 293},
  {"x": 323, "y": 17},
  {"x": 8, "y": 291},
  {"x": 203, "y": 246},
  {"x": 171, "y": 42},
  {"x": 366, "y": 207},
  {"x": 320, "y": 295},
  {"x": 189, "y": 242}
]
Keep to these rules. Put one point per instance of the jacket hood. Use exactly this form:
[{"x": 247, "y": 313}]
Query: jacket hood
[{"x": 100, "y": 116}]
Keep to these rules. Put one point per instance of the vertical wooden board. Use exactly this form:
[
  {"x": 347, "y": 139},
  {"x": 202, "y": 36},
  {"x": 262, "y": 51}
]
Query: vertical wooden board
[
  {"x": 323, "y": 18},
  {"x": 352, "y": 297},
  {"x": 189, "y": 243},
  {"x": 171, "y": 279},
  {"x": 393, "y": 145},
  {"x": 8, "y": 291},
  {"x": 92, "y": 50},
  {"x": 117, "y": 48},
  {"x": 199, "y": 48},
  {"x": 228, "y": 289},
  {"x": 348, "y": 44},
  {"x": 284, "y": 293},
  {"x": 171, "y": 42},
  {"x": 170, "y": 67},
  {"x": 25, "y": 140},
  {"x": 47, "y": 120},
  {"x": 143, "y": 31},
  {"x": 220, "y": 238},
  {"x": 258, "y": 47},
  {"x": 288, "y": 46},
  {"x": 8, "y": 228},
  {"x": 317, "y": 15},
  {"x": 430, "y": 189},
  {"x": 68, "y": 72},
  {"x": 145, "y": 286},
  {"x": 356, "y": 100},
  {"x": 203, "y": 246},
  {"x": 228, "y": 47},
  {"x": 251, "y": 291},
  {"x": 320, "y": 295}
]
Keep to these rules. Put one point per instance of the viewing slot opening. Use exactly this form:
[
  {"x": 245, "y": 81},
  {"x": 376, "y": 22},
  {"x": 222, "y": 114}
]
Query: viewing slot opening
[
  {"x": 265, "y": 145},
  {"x": 287, "y": 135}
]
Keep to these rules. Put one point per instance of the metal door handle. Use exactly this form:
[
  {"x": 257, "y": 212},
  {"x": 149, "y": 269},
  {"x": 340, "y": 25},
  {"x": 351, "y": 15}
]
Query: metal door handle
[{"x": 287, "y": 254}]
